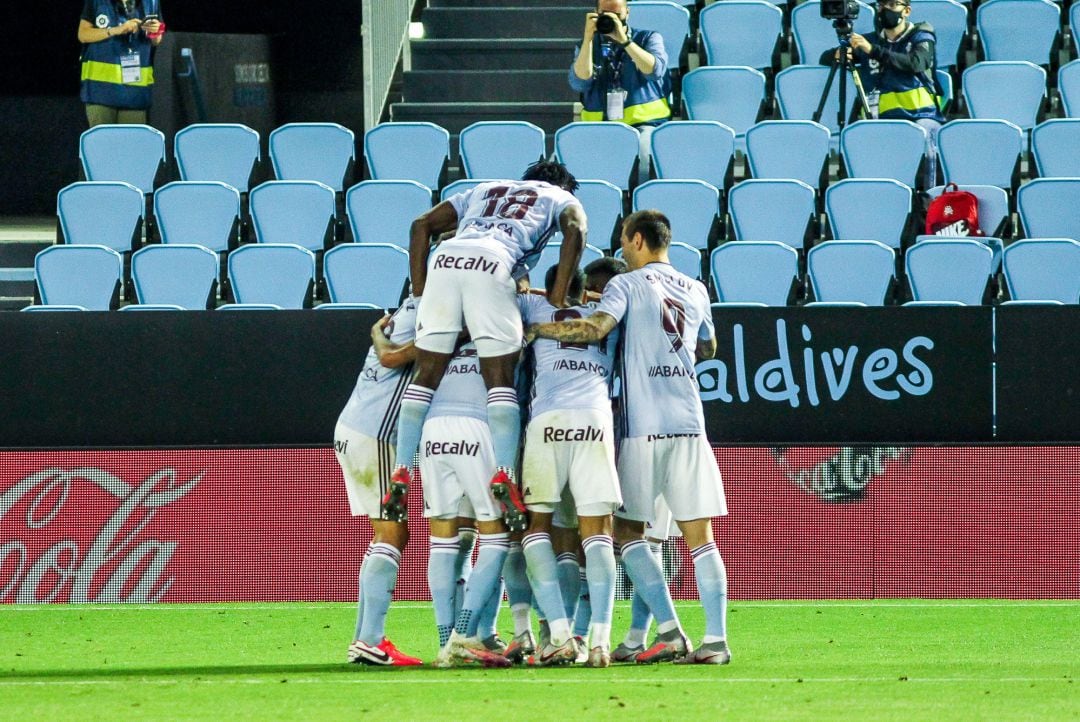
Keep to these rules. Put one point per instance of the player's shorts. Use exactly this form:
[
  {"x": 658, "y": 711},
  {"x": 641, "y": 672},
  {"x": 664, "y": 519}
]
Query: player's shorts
[
  {"x": 366, "y": 463},
  {"x": 471, "y": 285},
  {"x": 662, "y": 526},
  {"x": 565, "y": 514},
  {"x": 681, "y": 468},
  {"x": 456, "y": 460},
  {"x": 575, "y": 449}
]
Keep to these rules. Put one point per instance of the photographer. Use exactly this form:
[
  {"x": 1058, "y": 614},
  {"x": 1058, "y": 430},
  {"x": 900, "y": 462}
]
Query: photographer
[
  {"x": 118, "y": 38},
  {"x": 622, "y": 74},
  {"x": 897, "y": 65}
]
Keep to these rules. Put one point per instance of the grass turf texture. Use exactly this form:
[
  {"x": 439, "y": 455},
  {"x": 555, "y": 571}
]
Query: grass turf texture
[{"x": 886, "y": 660}]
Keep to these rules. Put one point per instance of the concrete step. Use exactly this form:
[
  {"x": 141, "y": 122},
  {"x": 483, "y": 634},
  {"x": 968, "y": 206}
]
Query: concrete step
[
  {"x": 491, "y": 55},
  {"x": 585, "y": 6},
  {"x": 20, "y": 254},
  {"x": 502, "y": 22},
  {"x": 456, "y": 116},
  {"x": 448, "y": 86}
]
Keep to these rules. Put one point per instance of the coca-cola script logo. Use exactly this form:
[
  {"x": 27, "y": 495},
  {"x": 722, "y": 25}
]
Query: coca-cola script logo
[
  {"x": 838, "y": 475},
  {"x": 115, "y": 566}
]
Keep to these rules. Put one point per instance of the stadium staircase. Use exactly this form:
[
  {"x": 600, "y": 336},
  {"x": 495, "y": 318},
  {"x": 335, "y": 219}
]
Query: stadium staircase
[{"x": 20, "y": 241}]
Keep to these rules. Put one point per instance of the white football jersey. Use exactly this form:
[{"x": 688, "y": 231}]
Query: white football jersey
[
  {"x": 663, "y": 313},
  {"x": 568, "y": 375},
  {"x": 516, "y": 218},
  {"x": 372, "y": 409},
  {"x": 462, "y": 391}
]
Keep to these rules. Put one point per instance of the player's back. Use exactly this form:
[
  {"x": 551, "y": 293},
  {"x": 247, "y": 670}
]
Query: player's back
[{"x": 462, "y": 391}]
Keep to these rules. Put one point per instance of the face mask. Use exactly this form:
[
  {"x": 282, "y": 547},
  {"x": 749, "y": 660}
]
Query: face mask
[{"x": 889, "y": 19}]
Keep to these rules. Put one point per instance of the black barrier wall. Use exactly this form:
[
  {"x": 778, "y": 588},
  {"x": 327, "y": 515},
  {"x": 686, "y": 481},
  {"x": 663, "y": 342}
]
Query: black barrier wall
[{"x": 782, "y": 376}]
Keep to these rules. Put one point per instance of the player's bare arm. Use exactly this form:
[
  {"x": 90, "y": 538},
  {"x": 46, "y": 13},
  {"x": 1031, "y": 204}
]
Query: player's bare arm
[
  {"x": 579, "y": 330},
  {"x": 390, "y": 355},
  {"x": 438, "y": 220},
  {"x": 706, "y": 349},
  {"x": 574, "y": 228}
]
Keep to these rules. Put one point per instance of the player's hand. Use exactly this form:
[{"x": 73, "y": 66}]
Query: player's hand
[
  {"x": 131, "y": 26},
  {"x": 590, "y": 25},
  {"x": 592, "y": 296},
  {"x": 380, "y": 325},
  {"x": 858, "y": 42}
]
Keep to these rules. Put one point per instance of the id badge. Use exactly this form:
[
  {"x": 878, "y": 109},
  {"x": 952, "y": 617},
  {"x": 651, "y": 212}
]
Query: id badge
[
  {"x": 130, "y": 68},
  {"x": 616, "y": 99},
  {"x": 872, "y": 100}
]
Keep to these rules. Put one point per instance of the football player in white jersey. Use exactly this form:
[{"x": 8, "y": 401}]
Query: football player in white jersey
[
  {"x": 569, "y": 445},
  {"x": 502, "y": 227},
  {"x": 667, "y": 324},
  {"x": 364, "y": 445}
]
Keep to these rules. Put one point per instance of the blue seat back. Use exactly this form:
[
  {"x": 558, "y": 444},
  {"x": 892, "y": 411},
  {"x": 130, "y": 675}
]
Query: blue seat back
[
  {"x": 685, "y": 259},
  {"x": 798, "y": 91},
  {"x": 754, "y": 272},
  {"x": 1005, "y": 90},
  {"x": 691, "y": 206},
  {"x": 1050, "y": 208},
  {"x": 153, "y": 307},
  {"x": 1069, "y": 85},
  {"x": 740, "y": 32},
  {"x": 550, "y": 257},
  {"x": 249, "y": 307},
  {"x": 500, "y": 149},
  {"x": 313, "y": 152},
  {"x": 382, "y": 211},
  {"x": 460, "y": 186},
  {"x": 672, "y": 21},
  {"x": 1018, "y": 29},
  {"x": 771, "y": 210},
  {"x": 1056, "y": 147},
  {"x": 700, "y": 149},
  {"x": 407, "y": 151},
  {"x": 297, "y": 212},
  {"x": 851, "y": 271},
  {"x": 598, "y": 151},
  {"x": 950, "y": 21},
  {"x": 883, "y": 149},
  {"x": 349, "y": 307},
  {"x": 603, "y": 206},
  {"x": 366, "y": 273},
  {"x": 729, "y": 95},
  {"x": 993, "y": 205},
  {"x": 282, "y": 274},
  {"x": 128, "y": 153},
  {"x": 197, "y": 212},
  {"x": 949, "y": 270},
  {"x": 56, "y": 307},
  {"x": 87, "y": 276},
  {"x": 963, "y": 147},
  {"x": 769, "y": 144},
  {"x": 225, "y": 152},
  {"x": 178, "y": 274},
  {"x": 104, "y": 213},
  {"x": 814, "y": 35},
  {"x": 868, "y": 209},
  {"x": 1043, "y": 270}
]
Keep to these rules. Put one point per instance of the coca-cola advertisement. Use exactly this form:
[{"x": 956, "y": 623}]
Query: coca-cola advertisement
[{"x": 273, "y": 525}]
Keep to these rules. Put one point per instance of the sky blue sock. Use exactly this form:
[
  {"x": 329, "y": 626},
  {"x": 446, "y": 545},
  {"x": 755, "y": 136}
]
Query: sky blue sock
[
  {"x": 600, "y": 573},
  {"x": 544, "y": 575},
  {"x": 569, "y": 581},
  {"x": 377, "y": 581},
  {"x": 415, "y": 403},
  {"x": 463, "y": 566},
  {"x": 485, "y": 575},
  {"x": 504, "y": 420},
  {"x": 442, "y": 581},
  {"x": 584, "y": 604},
  {"x": 487, "y": 623},
  {"x": 648, "y": 579},
  {"x": 518, "y": 590},
  {"x": 711, "y": 579},
  {"x": 360, "y": 594}
]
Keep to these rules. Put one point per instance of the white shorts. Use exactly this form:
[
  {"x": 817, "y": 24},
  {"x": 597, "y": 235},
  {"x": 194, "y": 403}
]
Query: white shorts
[
  {"x": 680, "y": 468},
  {"x": 366, "y": 463},
  {"x": 662, "y": 526},
  {"x": 575, "y": 449},
  {"x": 456, "y": 461},
  {"x": 472, "y": 285},
  {"x": 565, "y": 514}
]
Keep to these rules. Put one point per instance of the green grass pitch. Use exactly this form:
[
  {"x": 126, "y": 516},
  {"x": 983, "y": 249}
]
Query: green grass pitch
[{"x": 888, "y": 660}]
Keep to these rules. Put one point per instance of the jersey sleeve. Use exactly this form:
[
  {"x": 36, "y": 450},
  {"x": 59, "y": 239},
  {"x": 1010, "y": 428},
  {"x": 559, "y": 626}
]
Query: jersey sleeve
[
  {"x": 615, "y": 298},
  {"x": 460, "y": 202},
  {"x": 88, "y": 11},
  {"x": 706, "y": 330}
]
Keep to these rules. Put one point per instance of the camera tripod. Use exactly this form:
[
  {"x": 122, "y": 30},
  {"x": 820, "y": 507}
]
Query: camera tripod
[{"x": 843, "y": 34}]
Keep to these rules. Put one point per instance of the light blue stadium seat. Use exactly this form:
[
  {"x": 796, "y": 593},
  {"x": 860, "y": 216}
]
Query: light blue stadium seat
[
  {"x": 772, "y": 210},
  {"x": 1005, "y": 90},
  {"x": 692, "y": 207},
  {"x": 250, "y": 307},
  {"x": 851, "y": 271},
  {"x": 382, "y": 211},
  {"x": 945, "y": 82},
  {"x": 798, "y": 92},
  {"x": 813, "y": 35},
  {"x": 225, "y": 152},
  {"x": 729, "y": 95},
  {"x": 184, "y": 275},
  {"x": 153, "y": 307},
  {"x": 754, "y": 272},
  {"x": 206, "y": 213},
  {"x": 1043, "y": 269},
  {"x": 85, "y": 275},
  {"x": 281, "y": 274},
  {"x": 366, "y": 273},
  {"x": 1018, "y": 29},
  {"x": 684, "y": 259},
  {"x": 1074, "y": 22},
  {"x": 741, "y": 32},
  {"x": 500, "y": 148},
  {"x": 319, "y": 152},
  {"x": 884, "y": 149},
  {"x": 460, "y": 186},
  {"x": 669, "y": 19},
  {"x": 769, "y": 144},
  {"x": 949, "y": 270},
  {"x": 550, "y": 256},
  {"x": 603, "y": 206},
  {"x": 868, "y": 208},
  {"x": 107, "y": 213},
  {"x": 1069, "y": 84},
  {"x": 700, "y": 149},
  {"x": 298, "y": 212},
  {"x": 408, "y": 151},
  {"x": 349, "y": 307},
  {"x": 1050, "y": 208},
  {"x": 55, "y": 307},
  {"x": 598, "y": 151},
  {"x": 1055, "y": 144},
  {"x": 950, "y": 21},
  {"x": 980, "y": 152},
  {"x": 128, "y": 153}
]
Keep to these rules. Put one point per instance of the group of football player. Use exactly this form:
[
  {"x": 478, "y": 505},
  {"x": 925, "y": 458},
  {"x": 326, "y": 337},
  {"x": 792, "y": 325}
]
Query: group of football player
[{"x": 442, "y": 387}]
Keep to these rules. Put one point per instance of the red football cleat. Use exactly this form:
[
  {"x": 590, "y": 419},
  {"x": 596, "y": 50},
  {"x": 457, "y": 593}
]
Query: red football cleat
[
  {"x": 395, "y": 504},
  {"x": 503, "y": 488},
  {"x": 400, "y": 658}
]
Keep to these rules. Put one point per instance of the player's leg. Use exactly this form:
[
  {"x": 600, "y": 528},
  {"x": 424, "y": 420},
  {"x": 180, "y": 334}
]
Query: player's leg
[
  {"x": 487, "y": 627},
  {"x": 567, "y": 545},
  {"x": 378, "y": 579},
  {"x": 519, "y": 595},
  {"x": 463, "y": 564},
  {"x": 445, "y": 545},
  {"x": 504, "y": 420},
  {"x": 596, "y": 533},
  {"x": 543, "y": 572}
]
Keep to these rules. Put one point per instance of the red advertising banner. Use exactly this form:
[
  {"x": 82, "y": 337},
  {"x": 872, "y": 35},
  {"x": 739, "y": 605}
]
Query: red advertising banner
[{"x": 273, "y": 524}]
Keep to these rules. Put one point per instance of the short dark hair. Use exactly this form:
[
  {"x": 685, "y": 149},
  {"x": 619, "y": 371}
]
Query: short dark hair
[
  {"x": 653, "y": 226},
  {"x": 603, "y": 269},
  {"x": 577, "y": 282},
  {"x": 553, "y": 172}
]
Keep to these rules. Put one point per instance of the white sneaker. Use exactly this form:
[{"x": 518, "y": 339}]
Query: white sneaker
[
  {"x": 598, "y": 657},
  {"x": 551, "y": 656},
  {"x": 470, "y": 650}
]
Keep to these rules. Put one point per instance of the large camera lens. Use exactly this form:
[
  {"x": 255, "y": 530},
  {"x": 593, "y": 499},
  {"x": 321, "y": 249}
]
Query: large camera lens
[{"x": 605, "y": 24}]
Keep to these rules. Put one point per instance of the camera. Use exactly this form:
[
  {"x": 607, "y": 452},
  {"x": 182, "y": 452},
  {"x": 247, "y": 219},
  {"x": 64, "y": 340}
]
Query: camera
[
  {"x": 605, "y": 24},
  {"x": 839, "y": 9}
]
